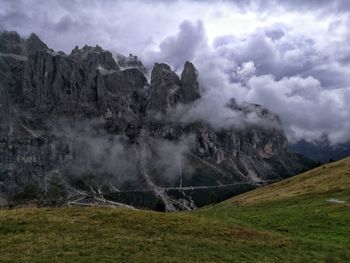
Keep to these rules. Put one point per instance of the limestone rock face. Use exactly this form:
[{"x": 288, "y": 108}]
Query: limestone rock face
[
  {"x": 190, "y": 86},
  {"x": 84, "y": 125},
  {"x": 33, "y": 45},
  {"x": 12, "y": 43},
  {"x": 95, "y": 56},
  {"x": 165, "y": 90},
  {"x": 168, "y": 90}
]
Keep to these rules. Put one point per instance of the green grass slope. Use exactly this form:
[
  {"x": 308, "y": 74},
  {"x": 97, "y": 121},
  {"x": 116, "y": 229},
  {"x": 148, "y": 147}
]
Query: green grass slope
[
  {"x": 289, "y": 221},
  {"x": 299, "y": 209}
]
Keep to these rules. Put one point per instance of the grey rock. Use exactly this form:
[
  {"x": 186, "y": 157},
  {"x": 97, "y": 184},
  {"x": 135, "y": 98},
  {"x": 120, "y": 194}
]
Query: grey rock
[
  {"x": 95, "y": 56},
  {"x": 165, "y": 90},
  {"x": 12, "y": 43},
  {"x": 190, "y": 86},
  {"x": 33, "y": 45}
]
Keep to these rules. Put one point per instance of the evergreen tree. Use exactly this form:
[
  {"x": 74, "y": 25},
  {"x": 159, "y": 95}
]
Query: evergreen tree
[
  {"x": 160, "y": 205},
  {"x": 213, "y": 197}
]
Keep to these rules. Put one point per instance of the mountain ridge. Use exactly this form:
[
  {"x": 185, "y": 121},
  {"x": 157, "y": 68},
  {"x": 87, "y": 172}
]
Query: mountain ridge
[{"x": 83, "y": 125}]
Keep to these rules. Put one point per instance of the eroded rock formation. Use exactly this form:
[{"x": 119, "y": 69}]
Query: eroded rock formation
[{"x": 86, "y": 124}]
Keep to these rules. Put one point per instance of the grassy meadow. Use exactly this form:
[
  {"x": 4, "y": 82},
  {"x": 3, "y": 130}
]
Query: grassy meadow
[{"x": 300, "y": 219}]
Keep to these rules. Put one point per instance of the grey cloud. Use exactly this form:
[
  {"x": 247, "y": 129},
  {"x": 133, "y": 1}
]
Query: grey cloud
[
  {"x": 322, "y": 6},
  {"x": 301, "y": 75},
  {"x": 64, "y": 24},
  {"x": 178, "y": 166},
  {"x": 115, "y": 25},
  {"x": 308, "y": 111},
  {"x": 179, "y": 48},
  {"x": 291, "y": 75},
  {"x": 269, "y": 57},
  {"x": 116, "y": 161},
  {"x": 95, "y": 152},
  {"x": 287, "y": 55},
  {"x": 275, "y": 34}
]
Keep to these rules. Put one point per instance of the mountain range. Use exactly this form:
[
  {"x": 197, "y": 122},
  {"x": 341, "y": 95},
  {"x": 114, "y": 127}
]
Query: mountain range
[{"x": 93, "y": 127}]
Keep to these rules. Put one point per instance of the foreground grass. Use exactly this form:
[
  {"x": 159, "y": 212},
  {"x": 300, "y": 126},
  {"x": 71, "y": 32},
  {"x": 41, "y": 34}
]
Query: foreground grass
[
  {"x": 318, "y": 230},
  {"x": 298, "y": 209},
  {"x": 118, "y": 235},
  {"x": 286, "y": 222}
]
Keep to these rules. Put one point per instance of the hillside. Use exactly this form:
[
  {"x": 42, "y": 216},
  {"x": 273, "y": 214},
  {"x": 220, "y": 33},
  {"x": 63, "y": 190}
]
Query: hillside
[
  {"x": 311, "y": 210},
  {"x": 301, "y": 219},
  {"x": 327, "y": 180}
]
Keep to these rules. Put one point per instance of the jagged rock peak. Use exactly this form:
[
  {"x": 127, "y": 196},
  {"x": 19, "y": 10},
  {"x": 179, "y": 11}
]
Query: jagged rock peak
[
  {"x": 75, "y": 50},
  {"x": 160, "y": 66},
  {"x": 33, "y": 45},
  {"x": 165, "y": 88},
  {"x": 189, "y": 68},
  {"x": 34, "y": 37},
  {"x": 12, "y": 36},
  {"x": 11, "y": 42},
  {"x": 87, "y": 49},
  {"x": 190, "y": 86},
  {"x": 98, "y": 56}
]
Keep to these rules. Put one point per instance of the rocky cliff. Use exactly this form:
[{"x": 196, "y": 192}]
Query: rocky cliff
[{"x": 88, "y": 127}]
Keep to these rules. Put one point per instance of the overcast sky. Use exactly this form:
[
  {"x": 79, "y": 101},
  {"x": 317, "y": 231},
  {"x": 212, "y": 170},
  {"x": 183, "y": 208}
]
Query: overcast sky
[{"x": 290, "y": 56}]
